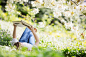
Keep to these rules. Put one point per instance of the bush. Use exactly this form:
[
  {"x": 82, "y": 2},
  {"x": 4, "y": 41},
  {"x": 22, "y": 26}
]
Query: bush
[
  {"x": 74, "y": 52},
  {"x": 4, "y": 37}
]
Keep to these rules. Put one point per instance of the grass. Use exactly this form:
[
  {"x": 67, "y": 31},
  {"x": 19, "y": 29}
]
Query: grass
[{"x": 55, "y": 41}]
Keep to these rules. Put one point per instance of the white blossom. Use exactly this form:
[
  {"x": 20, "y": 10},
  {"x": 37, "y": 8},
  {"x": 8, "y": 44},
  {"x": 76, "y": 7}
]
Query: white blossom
[{"x": 35, "y": 10}]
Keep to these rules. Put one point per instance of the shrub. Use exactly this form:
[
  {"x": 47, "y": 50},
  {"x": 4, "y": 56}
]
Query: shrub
[
  {"x": 4, "y": 37},
  {"x": 74, "y": 52}
]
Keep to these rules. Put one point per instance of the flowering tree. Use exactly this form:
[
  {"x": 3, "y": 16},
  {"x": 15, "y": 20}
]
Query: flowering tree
[
  {"x": 70, "y": 12},
  {"x": 67, "y": 8}
]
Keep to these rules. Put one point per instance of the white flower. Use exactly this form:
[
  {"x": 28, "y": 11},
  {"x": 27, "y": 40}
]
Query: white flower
[
  {"x": 85, "y": 36},
  {"x": 35, "y": 10},
  {"x": 10, "y": 7},
  {"x": 25, "y": 0},
  {"x": 41, "y": 25},
  {"x": 68, "y": 25},
  {"x": 40, "y": 1},
  {"x": 57, "y": 14},
  {"x": 67, "y": 13},
  {"x": 10, "y": 1},
  {"x": 33, "y": 3}
]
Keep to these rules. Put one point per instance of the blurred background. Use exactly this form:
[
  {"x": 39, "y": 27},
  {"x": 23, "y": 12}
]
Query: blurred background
[{"x": 61, "y": 26}]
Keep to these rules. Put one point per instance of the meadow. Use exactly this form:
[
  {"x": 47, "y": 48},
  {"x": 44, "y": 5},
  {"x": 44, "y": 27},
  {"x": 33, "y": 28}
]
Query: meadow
[{"x": 61, "y": 27}]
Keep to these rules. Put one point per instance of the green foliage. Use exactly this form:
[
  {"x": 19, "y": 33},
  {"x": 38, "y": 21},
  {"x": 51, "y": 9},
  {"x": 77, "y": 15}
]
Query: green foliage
[
  {"x": 74, "y": 52},
  {"x": 5, "y": 37},
  {"x": 42, "y": 52},
  {"x": 45, "y": 14},
  {"x": 36, "y": 52},
  {"x": 20, "y": 12}
]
